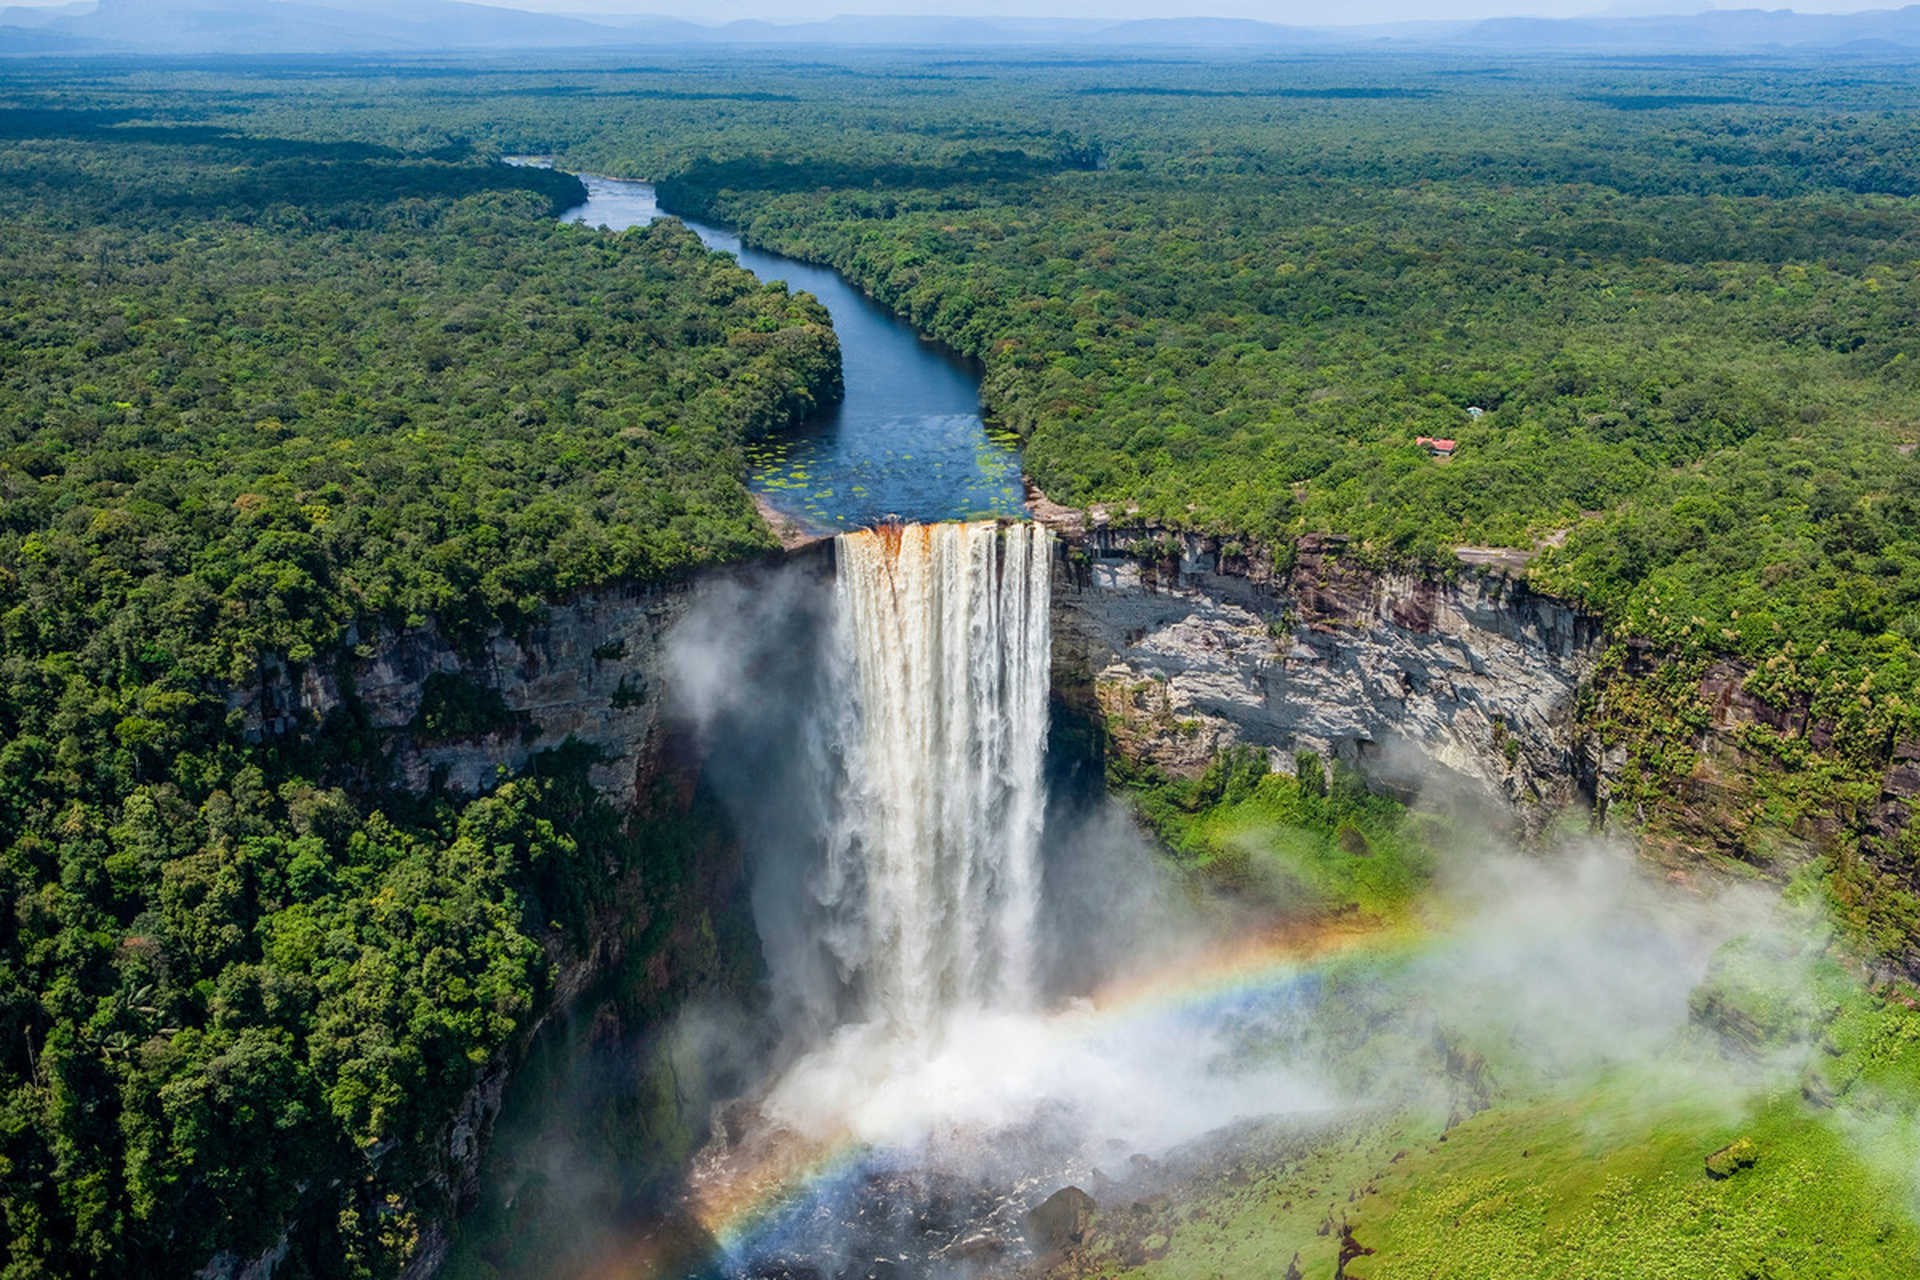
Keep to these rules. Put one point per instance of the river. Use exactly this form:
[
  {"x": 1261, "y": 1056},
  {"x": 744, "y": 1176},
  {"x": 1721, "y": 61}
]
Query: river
[{"x": 907, "y": 441}]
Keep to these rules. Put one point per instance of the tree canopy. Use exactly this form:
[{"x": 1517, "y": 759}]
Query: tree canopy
[{"x": 260, "y": 398}]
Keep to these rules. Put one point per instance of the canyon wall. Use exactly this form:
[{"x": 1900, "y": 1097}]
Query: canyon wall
[
  {"x": 429, "y": 714},
  {"x": 1176, "y": 646},
  {"x": 1183, "y": 645},
  {"x": 588, "y": 670}
]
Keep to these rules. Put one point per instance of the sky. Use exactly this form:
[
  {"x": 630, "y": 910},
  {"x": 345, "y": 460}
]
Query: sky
[{"x": 1290, "y": 12}]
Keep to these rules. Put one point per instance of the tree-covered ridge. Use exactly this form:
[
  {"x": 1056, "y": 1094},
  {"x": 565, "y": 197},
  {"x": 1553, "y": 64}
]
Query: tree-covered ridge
[{"x": 254, "y": 407}]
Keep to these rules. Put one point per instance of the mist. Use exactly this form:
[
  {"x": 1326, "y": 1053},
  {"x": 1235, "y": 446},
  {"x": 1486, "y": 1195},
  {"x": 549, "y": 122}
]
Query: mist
[
  {"x": 1228, "y": 29},
  {"x": 1169, "y": 1018}
]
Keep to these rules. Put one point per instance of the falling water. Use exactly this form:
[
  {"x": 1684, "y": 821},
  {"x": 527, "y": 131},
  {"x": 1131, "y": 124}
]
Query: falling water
[{"x": 936, "y": 859}]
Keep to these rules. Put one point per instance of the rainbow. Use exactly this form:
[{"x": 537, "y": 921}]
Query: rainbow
[{"x": 737, "y": 1203}]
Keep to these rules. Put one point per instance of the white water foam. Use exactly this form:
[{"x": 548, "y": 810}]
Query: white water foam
[{"x": 935, "y": 860}]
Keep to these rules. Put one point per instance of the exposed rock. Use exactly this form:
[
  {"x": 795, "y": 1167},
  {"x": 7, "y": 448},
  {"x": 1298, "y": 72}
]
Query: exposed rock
[
  {"x": 985, "y": 1245},
  {"x": 1350, "y": 1250},
  {"x": 1048, "y": 512},
  {"x": 227, "y": 1266},
  {"x": 474, "y": 1121},
  {"x": 593, "y": 670},
  {"x": 589, "y": 671},
  {"x": 1470, "y": 675},
  {"x": 790, "y": 533},
  {"x": 1061, "y": 1220}
]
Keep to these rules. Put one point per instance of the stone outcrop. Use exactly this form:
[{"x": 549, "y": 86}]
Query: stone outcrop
[
  {"x": 589, "y": 671},
  {"x": 592, "y": 671},
  {"x": 1060, "y": 1221},
  {"x": 1185, "y": 645}
]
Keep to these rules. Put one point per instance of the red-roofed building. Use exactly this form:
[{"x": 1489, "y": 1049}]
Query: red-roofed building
[{"x": 1436, "y": 446}]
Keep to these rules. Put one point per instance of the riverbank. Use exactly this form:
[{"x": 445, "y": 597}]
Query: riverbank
[{"x": 905, "y": 440}]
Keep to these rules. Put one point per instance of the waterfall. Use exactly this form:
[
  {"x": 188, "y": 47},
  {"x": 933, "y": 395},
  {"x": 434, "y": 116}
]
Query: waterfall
[{"x": 934, "y": 863}]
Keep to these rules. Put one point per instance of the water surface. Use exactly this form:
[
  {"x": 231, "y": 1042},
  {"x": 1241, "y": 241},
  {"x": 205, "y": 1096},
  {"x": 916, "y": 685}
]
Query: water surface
[{"x": 907, "y": 440}]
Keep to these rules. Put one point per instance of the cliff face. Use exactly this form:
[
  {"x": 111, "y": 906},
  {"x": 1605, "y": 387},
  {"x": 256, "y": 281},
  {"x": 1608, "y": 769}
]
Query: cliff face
[
  {"x": 436, "y": 715},
  {"x": 1184, "y": 647},
  {"x": 1179, "y": 646},
  {"x": 591, "y": 671}
]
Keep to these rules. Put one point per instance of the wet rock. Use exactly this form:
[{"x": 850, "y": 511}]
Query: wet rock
[
  {"x": 1061, "y": 1220},
  {"x": 1404, "y": 673},
  {"x": 1293, "y": 1268},
  {"x": 783, "y": 1269},
  {"x": 979, "y": 1246}
]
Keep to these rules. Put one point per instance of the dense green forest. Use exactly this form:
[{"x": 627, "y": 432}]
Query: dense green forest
[
  {"x": 1666, "y": 308},
  {"x": 285, "y": 357},
  {"x": 260, "y": 397},
  {"x": 1689, "y": 325},
  {"x": 1229, "y": 294}
]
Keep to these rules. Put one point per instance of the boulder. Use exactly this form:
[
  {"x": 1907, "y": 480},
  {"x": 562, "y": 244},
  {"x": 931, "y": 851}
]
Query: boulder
[
  {"x": 980, "y": 1246},
  {"x": 1741, "y": 1153},
  {"x": 1061, "y": 1220}
]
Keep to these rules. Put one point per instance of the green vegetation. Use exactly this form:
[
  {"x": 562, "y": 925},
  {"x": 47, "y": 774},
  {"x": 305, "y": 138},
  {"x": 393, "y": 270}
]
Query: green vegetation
[
  {"x": 458, "y": 706},
  {"x": 1300, "y": 841},
  {"x": 1736, "y": 1156},
  {"x": 1706, "y": 1159},
  {"x": 1535, "y": 1190},
  {"x": 1688, "y": 327},
  {"x": 285, "y": 359},
  {"x": 1771, "y": 1135},
  {"x": 1229, "y": 296},
  {"x": 258, "y": 400}
]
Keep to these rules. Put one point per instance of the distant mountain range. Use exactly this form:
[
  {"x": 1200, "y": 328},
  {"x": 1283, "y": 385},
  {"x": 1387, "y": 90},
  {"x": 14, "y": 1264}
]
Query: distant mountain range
[
  {"x": 1726, "y": 30},
  {"x": 419, "y": 26}
]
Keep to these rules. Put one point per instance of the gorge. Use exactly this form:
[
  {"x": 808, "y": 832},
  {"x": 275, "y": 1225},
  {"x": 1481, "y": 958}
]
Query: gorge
[
  {"x": 1354, "y": 717},
  {"x": 885, "y": 795},
  {"x": 914, "y": 964},
  {"x": 1173, "y": 659},
  {"x": 853, "y": 707}
]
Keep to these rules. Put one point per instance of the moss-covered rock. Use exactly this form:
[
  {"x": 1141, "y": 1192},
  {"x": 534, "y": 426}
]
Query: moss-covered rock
[{"x": 1741, "y": 1153}]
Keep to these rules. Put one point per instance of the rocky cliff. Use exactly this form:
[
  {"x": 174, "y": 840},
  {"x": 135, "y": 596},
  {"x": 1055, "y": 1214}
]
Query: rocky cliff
[
  {"x": 1185, "y": 645},
  {"x": 1178, "y": 645},
  {"x": 1181, "y": 645},
  {"x": 589, "y": 671},
  {"x": 430, "y": 714}
]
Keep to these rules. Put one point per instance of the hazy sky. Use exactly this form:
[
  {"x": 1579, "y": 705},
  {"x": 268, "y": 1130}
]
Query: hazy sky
[{"x": 1300, "y": 12}]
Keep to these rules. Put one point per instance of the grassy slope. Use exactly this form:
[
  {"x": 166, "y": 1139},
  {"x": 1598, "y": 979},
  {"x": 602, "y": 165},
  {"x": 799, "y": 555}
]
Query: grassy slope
[
  {"x": 1598, "y": 1174},
  {"x": 1606, "y": 1180}
]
